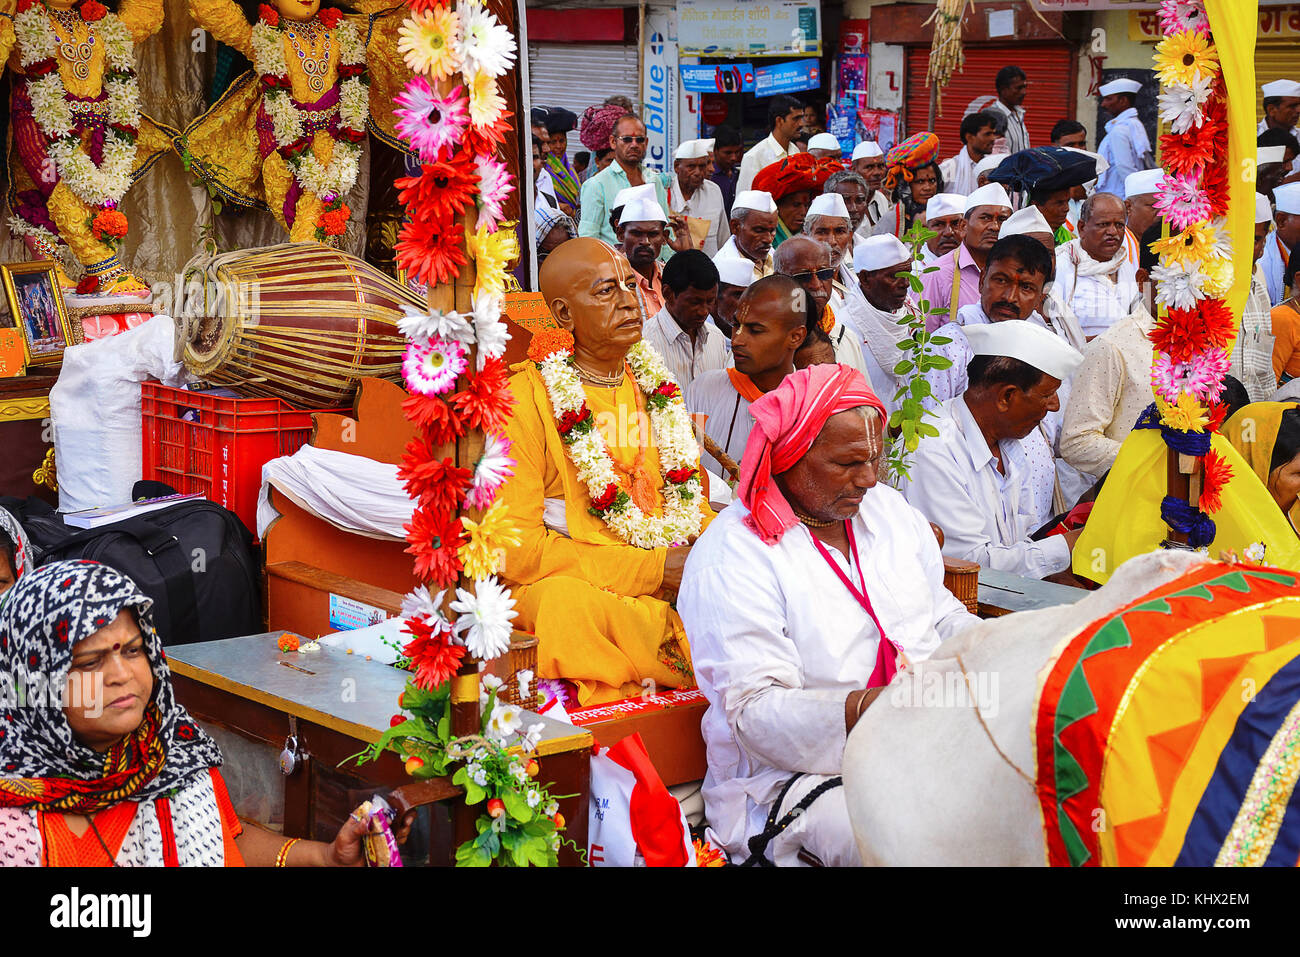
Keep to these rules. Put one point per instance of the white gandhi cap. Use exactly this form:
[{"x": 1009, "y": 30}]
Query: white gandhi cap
[
  {"x": 945, "y": 204},
  {"x": 1263, "y": 211},
  {"x": 866, "y": 150},
  {"x": 824, "y": 141},
  {"x": 989, "y": 163},
  {"x": 877, "y": 252},
  {"x": 624, "y": 196},
  {"x": 642, "y": 210},
  {"x": 1119, "y": 86},
  {"x": 1280, "y": 88},
  {"x": 1027, "y": 220},
  {"x": 1269, "y": 154},
  {"x": 734, "y": 270},
  {"x": 991, "y": 195},
  {"x": 829, "y": 204},
  {"x": 754, "y": 199},
  {"x": 693, "y": 149},
  {"x": 1287, "y": 199},
  {"x": 1142, "y": 182},
  {"x": 1030, "y": 343}
]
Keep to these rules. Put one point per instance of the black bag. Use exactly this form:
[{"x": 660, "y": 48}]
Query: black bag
[{"x": 194, "y": 559}]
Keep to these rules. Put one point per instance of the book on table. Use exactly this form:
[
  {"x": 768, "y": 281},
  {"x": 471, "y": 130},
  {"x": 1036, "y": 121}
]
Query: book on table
[{"x": 107, "y": 514}]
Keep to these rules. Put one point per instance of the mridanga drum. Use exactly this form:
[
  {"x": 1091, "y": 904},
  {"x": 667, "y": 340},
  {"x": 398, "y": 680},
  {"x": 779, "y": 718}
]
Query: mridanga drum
[{"x": 299, "y": 321}]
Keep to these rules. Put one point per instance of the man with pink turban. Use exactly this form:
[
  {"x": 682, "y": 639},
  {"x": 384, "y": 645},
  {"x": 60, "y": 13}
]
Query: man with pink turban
[{"x": 801, "y": 602}]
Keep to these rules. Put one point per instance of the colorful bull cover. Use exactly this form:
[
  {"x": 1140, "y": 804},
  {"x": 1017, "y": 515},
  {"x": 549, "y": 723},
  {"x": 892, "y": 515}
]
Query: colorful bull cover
[{"x": 1169, "y": 733}]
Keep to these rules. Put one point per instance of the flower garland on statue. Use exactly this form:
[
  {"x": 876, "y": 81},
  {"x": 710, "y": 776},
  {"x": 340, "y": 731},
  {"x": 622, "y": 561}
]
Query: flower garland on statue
[
  {"x": 100, "y": 186},
  {"x": 455, "y": 129},
  {"x": 552, "y": 352},
  {"x": 288, "y": 120},
  {"x": 1194, "y": 272}
]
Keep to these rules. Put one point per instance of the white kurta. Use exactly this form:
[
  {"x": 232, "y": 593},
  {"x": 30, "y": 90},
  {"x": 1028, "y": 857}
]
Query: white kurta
[
  {"x": 986, "y": 516},
  {"x": 1097, "y": 301},
  {"x": 877, "y": 206},
  {"x": 730, "y": 250},
  {"x": 1273, "y": 268},
  {"x": 1252, "y": 351},
  {"x": 705, "y": 203},
  {"x": 848, "y": 350},
  {"x": 729, "y": 421},
  {"x": 763, "y": 153},
  {"x": 778, "y": 644},
  {"x": 1126, "y": 147},
  {"x": 959, "y": 173},
  {"x": 685, "y": 358}
]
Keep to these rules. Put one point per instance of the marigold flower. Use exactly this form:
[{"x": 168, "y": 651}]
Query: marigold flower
[{"x": 548, "y": 341}]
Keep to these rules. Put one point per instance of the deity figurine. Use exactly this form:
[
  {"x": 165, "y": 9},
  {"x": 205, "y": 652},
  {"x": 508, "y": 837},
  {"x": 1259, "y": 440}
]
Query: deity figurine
[
  {"x": 78, "y": 138},
  {"x": 289, "y": 134}
]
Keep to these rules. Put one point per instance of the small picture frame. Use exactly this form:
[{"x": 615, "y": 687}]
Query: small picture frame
[{"x": 36, "y": 309}]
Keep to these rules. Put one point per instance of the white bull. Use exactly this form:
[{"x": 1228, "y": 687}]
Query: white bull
[{"x": 923, "y": 782}]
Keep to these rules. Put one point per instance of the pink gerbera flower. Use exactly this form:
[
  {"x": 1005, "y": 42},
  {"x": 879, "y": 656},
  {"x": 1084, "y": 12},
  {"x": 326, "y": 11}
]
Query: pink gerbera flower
[
  {"x": 1201, "y": 375},
  {"x": 494, "y": 186},
  {"x": 1177, "y": 16},
  {"x": 430, "y": 122},
  {"x": 1181, "y": 201},
  {"x": 431, "y": 368},
  {"x": 493, "y": 468}
]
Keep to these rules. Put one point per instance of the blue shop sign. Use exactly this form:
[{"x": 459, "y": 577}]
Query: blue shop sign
[
  {"x": 787, "y": 77},
  {"x": 718, "y": 78}
]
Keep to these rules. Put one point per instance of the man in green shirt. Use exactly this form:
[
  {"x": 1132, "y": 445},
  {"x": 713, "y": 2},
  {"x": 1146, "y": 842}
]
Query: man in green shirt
[{"x": 628, "y": 140}]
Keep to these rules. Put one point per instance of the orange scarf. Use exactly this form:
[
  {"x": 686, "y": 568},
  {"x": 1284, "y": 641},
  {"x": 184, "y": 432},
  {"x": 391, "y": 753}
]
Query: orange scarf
[{"x": 745, "y": 385}]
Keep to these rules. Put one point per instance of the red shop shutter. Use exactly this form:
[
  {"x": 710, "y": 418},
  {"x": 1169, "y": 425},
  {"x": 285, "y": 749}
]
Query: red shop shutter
[{"x": 1050, "y": 68}]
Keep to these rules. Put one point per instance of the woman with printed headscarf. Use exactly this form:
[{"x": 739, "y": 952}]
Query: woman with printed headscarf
[
  {"x": 15, "y": 552},
  {"x": 100, "y": 766}
]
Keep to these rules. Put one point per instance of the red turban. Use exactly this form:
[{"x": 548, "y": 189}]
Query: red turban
[
  {"x": 598, "y": 124},
  {"x": 787, "y": 421},
  {"x": 788, "y": 175}
]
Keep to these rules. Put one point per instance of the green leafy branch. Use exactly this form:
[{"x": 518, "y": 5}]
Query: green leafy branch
[{"x": 907, "y": 422}]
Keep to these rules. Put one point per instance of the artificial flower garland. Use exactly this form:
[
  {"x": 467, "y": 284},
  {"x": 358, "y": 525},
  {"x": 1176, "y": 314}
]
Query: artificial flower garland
[
  {"x": 100, "y": 186},
  {"x": 1194, "y": 271},
  {"x": 288, "y": 121},
  {"x": 670, "y": 429}
]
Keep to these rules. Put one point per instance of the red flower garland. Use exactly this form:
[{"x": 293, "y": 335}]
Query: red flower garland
[
  {"x": 92, "y": 11},
  {"x": 438, "y": 485},
  {"x": 434, "y": 658},
  {"x": 1217, "y": 474},
  {"x": 430, "y": 251},
  {"x": 330, "y": 16},
  {"x": 1183, "y": 333},
  {"x": 442, "y": 190},
  {"x": 435, "y": 542},
  {"x": 486, "y": 401},
  {"x": 438, "y": 421},
  {"x": 268, "y": 15}
]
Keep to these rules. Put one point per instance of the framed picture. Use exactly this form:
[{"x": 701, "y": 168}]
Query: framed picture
[{"x": 36, "y": 308}]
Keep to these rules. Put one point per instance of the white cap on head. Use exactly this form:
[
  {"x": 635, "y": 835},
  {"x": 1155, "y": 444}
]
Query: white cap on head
[
  {"x": 1287, "y": 199},
  {"x": 1263, "y": 210},
  {"x": 824, "y": 141},
  {"x": 1030, "y": 343},
  {"x": 734, "y": 270},
  {"x": 1023, "y": 221},
  {"x": 1119, "y": 86},
  {"x": 1269, "y": 154},
  {"x": 639, "y": 209},
  {"x": 693, "y": 149},
  {"x": 1280, "y": 88},
  {"x": 829, "y": 204},
  {"x": 945, "y": 204},
  {"x": 754, "y": 199},
  {"x": 877, "y": 252},
  {"x": 623, "y": 196},
  {"x": 866, "y": 150},
  {"x": 1142, "y": 182},
  {"x": 989, "y": 163},
  {"x": 990, "y": 195}
]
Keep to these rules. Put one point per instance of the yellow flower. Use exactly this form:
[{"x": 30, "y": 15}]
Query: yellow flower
[
  {"x": 1186, "y": 415},
  {"x": 485, "y": 101},
  {"x": 1218, "y": 277},
  {"x": 493, "y": 253},
  {"x": 1194, "y": 245},
  {"x": 427, "y": 42},
  {"x": 1184, "y": 57},
  {"x": 486, "y": 541}
]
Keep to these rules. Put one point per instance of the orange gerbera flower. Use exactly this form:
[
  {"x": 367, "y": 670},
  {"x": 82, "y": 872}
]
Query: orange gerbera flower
[
  {"x": 438, "y": 484},
  {"x": 1217, "y": 474},
  {"x": 434, "y": 658},
  {"x": 430, "y": 250},
  {"x": 435, "y": 542},
  {"x": 442, "y": 190},
  {"x": 435, "y": 418},
  {"x": 486, "y": 401}
]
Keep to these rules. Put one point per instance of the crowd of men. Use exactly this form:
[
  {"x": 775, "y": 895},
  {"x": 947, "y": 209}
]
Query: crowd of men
[{"x": 782, "y": 290}]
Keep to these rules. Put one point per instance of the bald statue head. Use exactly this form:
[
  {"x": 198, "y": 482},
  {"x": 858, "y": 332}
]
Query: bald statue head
[{"x": 590, "y": 289}]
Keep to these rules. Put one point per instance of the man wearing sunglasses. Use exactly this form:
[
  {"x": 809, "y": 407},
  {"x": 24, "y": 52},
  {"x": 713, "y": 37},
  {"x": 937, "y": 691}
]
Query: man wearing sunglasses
[
  {"x": 811, "y": 264},
  {"x": 784, "y": 117},
  {"x": 628, "y": 141}
]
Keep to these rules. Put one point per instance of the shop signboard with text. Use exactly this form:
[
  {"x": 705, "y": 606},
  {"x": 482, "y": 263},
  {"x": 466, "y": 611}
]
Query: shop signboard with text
[
  {"x": 659, "y": 88},
  {"x": 718, "y": 78},
  {"x": 749, "y": 28},
  {"x": 787, "y": 77}
]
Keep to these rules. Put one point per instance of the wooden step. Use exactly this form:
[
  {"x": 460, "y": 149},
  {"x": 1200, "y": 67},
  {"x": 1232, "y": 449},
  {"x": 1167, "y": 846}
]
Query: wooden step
[{"x": 297, "y": 597}]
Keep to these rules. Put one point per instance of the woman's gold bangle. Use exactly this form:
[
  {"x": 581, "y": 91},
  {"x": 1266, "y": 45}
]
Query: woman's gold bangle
[{"x": 282, "y": 858}]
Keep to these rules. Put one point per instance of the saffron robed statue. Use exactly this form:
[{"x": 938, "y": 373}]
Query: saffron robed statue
[{"x": 607, "y": 493}]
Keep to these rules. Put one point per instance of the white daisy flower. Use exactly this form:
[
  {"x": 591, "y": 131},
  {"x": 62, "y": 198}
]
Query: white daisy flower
[
  {"x": 1179, "y": 286},
  {"x": 1180, "y": 106},
  {"x": 485, "y": 42},
  {"x": 418, "y": 603},
  {"x": 484, "y": 618},
  {"x": 421, "y": 325},
  {"x": 505, "y": 721}
]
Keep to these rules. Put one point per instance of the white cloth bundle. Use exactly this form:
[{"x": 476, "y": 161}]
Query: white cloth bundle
[{"x": 351, "y": 492}]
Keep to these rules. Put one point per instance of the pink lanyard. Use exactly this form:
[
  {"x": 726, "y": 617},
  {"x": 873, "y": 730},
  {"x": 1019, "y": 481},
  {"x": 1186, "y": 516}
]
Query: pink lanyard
[{"x": 887, "y": 654}]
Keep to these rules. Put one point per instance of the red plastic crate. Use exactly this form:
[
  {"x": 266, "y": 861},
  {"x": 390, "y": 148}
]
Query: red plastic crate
[{"x": 216, "y": 445}]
